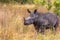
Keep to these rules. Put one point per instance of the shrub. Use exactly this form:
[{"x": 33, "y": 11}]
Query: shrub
[{"x": 57, "y": 7}]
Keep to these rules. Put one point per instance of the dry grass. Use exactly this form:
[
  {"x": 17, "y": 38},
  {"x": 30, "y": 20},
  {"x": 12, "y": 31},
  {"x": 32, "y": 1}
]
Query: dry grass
[{"x": 12, "y": 27}]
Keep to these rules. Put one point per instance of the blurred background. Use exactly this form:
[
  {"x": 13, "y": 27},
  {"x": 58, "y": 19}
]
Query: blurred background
[{"x": 12, "y": 13}]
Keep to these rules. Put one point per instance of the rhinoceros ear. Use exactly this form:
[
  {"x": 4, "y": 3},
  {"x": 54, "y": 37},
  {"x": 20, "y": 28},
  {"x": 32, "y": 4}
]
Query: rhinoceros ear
[
  {"x": 35, "y": 11},
  {"x": 28, "y": 11}
]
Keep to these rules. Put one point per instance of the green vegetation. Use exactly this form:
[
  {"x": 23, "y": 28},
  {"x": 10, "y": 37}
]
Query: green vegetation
[
  {"x": 49, "y": 4},
  {"x": 57, "y": 7}
]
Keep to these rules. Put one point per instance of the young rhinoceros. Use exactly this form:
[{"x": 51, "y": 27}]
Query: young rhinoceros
[{"x": 41, "y": 21}]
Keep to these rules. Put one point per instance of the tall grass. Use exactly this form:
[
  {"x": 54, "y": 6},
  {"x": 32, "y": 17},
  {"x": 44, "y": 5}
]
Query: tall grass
[{"x": 12, "y": 25}]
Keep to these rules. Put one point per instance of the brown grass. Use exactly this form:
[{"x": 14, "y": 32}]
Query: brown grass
[{"x": 12, "y": 27}]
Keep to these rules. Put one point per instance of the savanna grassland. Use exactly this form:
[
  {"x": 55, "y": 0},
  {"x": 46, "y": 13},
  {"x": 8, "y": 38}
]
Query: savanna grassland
[{"x": 12, "y": 24}]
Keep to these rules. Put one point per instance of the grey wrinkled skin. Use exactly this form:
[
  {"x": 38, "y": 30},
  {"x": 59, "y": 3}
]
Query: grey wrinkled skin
[{"x": 42, "y": 21}]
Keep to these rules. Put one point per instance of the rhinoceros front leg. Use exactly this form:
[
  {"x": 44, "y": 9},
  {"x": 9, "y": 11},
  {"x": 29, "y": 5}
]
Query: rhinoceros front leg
[{"x": 42, "y": 29}]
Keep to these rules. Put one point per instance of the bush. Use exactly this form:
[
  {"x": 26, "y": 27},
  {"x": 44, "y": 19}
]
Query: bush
[
  {"x": 6, "y": 1},
  {"x": 57, "y": 7},
  {"x": 18, "y": 1},
  {"x": 39, "y": 2},
  {"x": 56, "y": 3}
]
